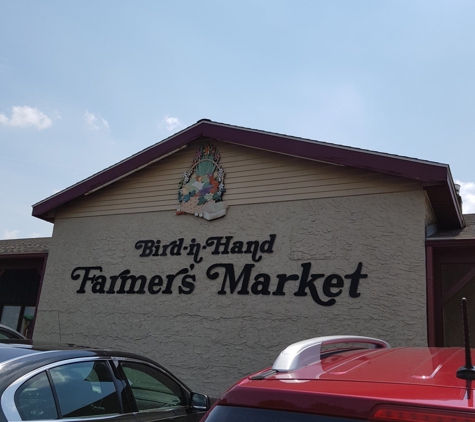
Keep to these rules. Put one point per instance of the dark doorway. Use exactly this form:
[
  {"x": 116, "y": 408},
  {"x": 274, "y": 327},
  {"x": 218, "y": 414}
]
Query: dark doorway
[
  {"x": 453, "y": 268},
  {"x": 18, "y": 297}
]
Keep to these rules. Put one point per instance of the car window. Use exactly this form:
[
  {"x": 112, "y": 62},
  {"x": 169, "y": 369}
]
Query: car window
[
  {"x": 5, "y": 333},
  {"x": 34, "y": 399},
  {"x": 85, "y": 389},
  {"x": 152, "y": 389}
]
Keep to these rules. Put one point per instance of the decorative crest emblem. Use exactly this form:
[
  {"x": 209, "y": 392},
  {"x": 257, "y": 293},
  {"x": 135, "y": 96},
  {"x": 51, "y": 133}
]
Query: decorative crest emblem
[{"x": 202, "y": 187}]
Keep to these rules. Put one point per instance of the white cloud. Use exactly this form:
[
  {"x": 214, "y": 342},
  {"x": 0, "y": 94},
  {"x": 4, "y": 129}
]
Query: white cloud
[
  {"x": 467, "y": 192},
  {"x": 95, "y": 121},
  {"x": 10, "y": 234},
  {"x": 172, "y": 123},
  {"x": 25, "y": 116}
]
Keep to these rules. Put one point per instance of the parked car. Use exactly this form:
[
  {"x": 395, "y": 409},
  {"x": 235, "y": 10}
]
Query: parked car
[
  {"x": 7, "y": 332},
  {"x": 40, "y": 381},
  {"x": 347, "y": 378}
]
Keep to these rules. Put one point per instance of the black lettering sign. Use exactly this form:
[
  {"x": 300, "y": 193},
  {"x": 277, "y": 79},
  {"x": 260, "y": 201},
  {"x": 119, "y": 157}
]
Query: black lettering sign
[
  {"x": 230, "y": 276},
  {"x": 323, "y": 289},
  {"x": 127, "y": 283}
]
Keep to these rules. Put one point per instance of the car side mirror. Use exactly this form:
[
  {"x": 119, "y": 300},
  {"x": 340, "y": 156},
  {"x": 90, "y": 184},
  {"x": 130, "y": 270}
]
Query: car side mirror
[{"x": 200, "y": 401}]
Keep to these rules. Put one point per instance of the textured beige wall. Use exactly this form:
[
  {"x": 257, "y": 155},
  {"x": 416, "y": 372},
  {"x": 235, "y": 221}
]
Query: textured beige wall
[{"x": 211, "y": 340}]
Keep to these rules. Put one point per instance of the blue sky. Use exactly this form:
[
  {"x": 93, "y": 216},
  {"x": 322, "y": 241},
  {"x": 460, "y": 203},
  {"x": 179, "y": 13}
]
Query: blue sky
[{"x": 86, "y": 84}]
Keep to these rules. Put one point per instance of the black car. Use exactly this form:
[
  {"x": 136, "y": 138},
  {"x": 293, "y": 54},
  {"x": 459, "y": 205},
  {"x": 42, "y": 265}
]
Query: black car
[
  {"x": 42, "y": 381},
  {"x": 7, "y": 332}
]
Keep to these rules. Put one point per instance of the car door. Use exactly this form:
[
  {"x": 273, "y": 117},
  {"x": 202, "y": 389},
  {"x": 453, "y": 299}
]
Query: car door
[
  {"x": 157, "y": 395},
  {"x": 68, "y": 390}
]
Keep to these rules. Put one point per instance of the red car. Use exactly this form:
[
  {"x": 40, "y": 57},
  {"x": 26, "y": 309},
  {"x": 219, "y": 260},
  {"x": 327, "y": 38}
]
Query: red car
[{"x": 357, "y": 378}]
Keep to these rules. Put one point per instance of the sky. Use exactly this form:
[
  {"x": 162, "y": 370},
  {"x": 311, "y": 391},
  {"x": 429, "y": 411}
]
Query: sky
[{"x": 85, "y": 84}]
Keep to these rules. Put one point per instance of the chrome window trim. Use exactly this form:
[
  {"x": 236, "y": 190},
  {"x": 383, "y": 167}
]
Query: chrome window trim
[
  {"x": 8, "y": 397},
  {"x": 5, "y": 362}
]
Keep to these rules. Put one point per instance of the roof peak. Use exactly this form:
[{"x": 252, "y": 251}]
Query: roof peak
[{"x": 435, "y": 176}]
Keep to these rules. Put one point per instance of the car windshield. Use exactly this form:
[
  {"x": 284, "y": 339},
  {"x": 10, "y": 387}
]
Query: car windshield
[{"x": 245, "y": 414}]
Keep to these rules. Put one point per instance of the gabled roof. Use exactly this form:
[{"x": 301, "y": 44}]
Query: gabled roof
[{"x": 434, "y": 177}]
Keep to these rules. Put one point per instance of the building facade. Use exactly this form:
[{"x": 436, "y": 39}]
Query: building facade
[{"x": 217, "y": 247}]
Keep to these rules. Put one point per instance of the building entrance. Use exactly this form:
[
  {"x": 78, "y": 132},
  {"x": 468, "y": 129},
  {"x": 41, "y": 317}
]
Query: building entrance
[
  {"x": 18, "y": 297},
  {"x": 454, "y": 278}
]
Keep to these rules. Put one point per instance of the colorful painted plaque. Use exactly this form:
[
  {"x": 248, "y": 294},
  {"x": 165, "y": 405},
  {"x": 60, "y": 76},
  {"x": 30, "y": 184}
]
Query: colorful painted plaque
[{"x": 202, "y": 187}]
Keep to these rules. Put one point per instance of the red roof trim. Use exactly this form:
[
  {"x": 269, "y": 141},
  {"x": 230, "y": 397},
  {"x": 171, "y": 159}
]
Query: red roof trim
[
  {"x": 25, "y": 255},
  {"x": 428, "y": 173},
  {"x": 449, "y": 243},
  {"x": 117, "y": 171},
  {"x": 329, "y": 153}
]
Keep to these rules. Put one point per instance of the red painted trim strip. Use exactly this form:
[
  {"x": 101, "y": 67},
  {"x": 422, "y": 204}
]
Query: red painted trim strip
[
  {"x": 23, "y": 256},
  {"x": 455, "y": 242},
  {"x": 369, "y": 160},
  {"x": 42, "y": 276},
  {"x": 430, "y": 296}
]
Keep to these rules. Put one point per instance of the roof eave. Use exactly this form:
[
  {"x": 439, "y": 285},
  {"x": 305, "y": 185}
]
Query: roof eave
[
  {"x": 435, "y": 177},
  {"x": 117, "y": 171},
  {"x": 445, "y": 203}
]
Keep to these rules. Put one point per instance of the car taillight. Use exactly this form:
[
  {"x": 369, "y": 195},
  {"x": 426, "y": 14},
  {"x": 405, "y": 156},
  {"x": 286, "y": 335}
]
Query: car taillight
[{"x": 408, "y": 414}]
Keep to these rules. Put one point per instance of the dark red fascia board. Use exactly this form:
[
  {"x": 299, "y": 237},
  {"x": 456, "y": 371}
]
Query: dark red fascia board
[
  {"x": 117, "y": 171},
  {"x": 23, "y": 260},
  {"x": 429, "y": 174},
  {"x": 334, "y": 154},
  {"x": 23, "y": 255},
  {"x": 450, "y": 243},
  {"x": 426, "y": 173}
]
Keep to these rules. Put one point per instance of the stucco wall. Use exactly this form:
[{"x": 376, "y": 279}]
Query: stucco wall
[{"x": 210, "y": 340}]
